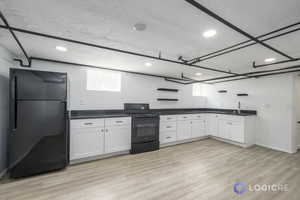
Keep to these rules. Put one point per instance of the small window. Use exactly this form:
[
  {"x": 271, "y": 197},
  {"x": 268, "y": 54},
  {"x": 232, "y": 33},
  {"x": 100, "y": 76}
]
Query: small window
[
  {"x": 102, "y": 80},
  {"x": 197, "y": 90}
]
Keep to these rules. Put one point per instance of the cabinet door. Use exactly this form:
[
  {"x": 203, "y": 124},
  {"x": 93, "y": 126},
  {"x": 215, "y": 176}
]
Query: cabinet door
[
  {"x": 117, "y": 138},
  {"x": 167, "y": 137},
  {"x": 198, "y": 128},
  {"x": 86, "y": 142},
  {"x": 224, "y": 128},
  {"x": 184, "y": 130},
  {"x": 212, "y": 125},
  {"x": 237, "y": 132}
]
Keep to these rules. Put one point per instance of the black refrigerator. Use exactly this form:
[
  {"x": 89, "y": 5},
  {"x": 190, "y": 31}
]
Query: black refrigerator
[{"x": 38, "y": 139}]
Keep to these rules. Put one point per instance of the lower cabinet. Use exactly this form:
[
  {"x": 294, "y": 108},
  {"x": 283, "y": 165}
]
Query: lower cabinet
[
  {"x": 86, "y": 142},
  {"x": 198, "y": 128},
  {"x": 212, "y": 125},
  {"x": 240, "y": 129},
  {"x": 184, "y": 130},
  {"x": 96, "y": 137},
  {"x": 117, "y": 138},
  {"x": 232, "y": 129}
]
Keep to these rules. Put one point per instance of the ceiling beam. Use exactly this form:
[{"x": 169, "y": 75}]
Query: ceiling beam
[
  {"x": 234, "y": 27},
  {"x": 112, "y": 49}
]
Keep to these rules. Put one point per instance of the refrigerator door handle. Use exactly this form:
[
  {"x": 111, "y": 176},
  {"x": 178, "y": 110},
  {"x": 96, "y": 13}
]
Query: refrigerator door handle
[{"x": 15, "y": 104}]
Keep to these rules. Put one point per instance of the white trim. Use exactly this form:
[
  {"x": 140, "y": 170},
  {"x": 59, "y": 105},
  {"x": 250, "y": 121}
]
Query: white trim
[
  {"x": 93, "y": 158},
  {"x": 183, "y": 141},
  {"x": 244, "y": 145},
  {"x": 2, "y": 174},
  {"x": 274, "y": 148}
]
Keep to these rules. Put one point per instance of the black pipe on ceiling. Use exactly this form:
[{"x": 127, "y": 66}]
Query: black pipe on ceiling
[
  {"x": 202, "y": 58},
  {"x": 234, "y": 27},
  {"x": 275, "y": 63},
  {"x": 112, "y": 49},
  {"x": 258, "y": 76},
  {"x": 248, "y": 45},
  {"x": 249, "y": 74},
  {"x": 16, "y": 39},
  {"x": 99, "y": 67}
]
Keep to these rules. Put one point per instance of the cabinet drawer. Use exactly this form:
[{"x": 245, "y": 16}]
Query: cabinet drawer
[
  {"x": 87, "y": 123},
  {"x": 167, "y": 137},
  {"x": 117, "y": 121},
  {"x": 198, "y": 116},
  {"x": 168, "y": 118},
  {"x": 168, "y": 126},
  {"x": 184, "y": 117}
]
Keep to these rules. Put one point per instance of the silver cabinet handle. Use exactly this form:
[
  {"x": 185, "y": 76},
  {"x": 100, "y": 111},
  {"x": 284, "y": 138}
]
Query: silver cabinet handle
[
  {"x": 169, "y": 118},
  {"x": 102, "y": 130},
  {"x": 88, "y": 123},
  {"x": 168, "y": 137},
  {"x": 119, "y": 121},
  {"x": 169, "y": 126}
]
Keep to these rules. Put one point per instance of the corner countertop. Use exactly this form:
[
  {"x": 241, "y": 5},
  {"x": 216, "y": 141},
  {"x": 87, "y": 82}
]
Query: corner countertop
[{"x": 90, "y": 114}]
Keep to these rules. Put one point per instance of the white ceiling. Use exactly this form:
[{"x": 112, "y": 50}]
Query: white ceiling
[{"x": 174, "y": 27}]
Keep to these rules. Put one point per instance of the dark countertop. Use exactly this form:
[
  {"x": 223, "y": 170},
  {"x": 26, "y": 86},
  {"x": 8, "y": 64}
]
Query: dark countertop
[{"x": 89, "y": 114}]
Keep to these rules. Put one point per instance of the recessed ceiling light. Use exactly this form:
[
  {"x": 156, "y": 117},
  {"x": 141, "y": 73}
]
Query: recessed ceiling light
[
  {"x": 139, "y": 27},
  {"x": 209, "y": 33},
  {"x": 198, "y": 74},
  {"x": 268, "y": 60},
  {"x": 60, "y": 48},
  {"x": 148, "y": 64}
]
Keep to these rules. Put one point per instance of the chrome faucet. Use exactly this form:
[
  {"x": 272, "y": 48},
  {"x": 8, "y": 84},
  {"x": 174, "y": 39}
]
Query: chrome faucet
[{"x": 239, "y": 107}]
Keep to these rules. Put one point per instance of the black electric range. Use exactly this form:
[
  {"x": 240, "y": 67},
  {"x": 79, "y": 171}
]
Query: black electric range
[{"x": 145, "y": 128}]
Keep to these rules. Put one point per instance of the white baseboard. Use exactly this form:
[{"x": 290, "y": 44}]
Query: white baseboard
[
  {"x": 274, "y": 148},
  {"x": 93, "y": 158},
  {"x": 183, "y": 141},
  {"x": 244, "y": 145},
  {"x": 2, "y": 174}
]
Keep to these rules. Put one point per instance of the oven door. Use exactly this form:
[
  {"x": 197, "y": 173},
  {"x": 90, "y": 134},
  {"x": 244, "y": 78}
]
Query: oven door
[{"x": 145, "y": 129}]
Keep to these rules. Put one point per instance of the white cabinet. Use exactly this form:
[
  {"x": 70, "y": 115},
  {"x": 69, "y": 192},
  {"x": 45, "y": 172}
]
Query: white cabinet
[
  {"x": 199, "y": 124},
  {"x": 223, "y": 129},
  {"x": 94, "y": 137},
  {"x": 212, "y": 124},
  {"x": 117, "y": 138},
  {"x": 86, "y": 142},
  {"x": 184, "y": 130},
  {"x": 167, "y": 137},
  {"x": 167, "y": 129},
  {"x": 232, "y": 128}
]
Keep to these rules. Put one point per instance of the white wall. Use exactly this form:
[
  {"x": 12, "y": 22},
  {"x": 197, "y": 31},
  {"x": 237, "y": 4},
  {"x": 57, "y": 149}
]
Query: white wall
[
  {"x": 5, "y": 64},
  {"x": 135, "y": 89},
  {"x": 297, "y": 110},
  {"x": 272, "y": 97}
]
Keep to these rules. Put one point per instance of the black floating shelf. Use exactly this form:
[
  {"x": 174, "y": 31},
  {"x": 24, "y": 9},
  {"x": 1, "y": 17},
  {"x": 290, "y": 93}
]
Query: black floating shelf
[
  {"x": 167, "y": 89},
  {"x": 167, "y": 99},
  {"x": 222, "y": 91},
  {"x": 242, "y": 95}
]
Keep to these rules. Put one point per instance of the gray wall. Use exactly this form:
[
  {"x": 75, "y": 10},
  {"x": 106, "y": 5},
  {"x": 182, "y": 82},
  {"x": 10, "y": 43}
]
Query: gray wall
[{"x": 5, "y": 64}]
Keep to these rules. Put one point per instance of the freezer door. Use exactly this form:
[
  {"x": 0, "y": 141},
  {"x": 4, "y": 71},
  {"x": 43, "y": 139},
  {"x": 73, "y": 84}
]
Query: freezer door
[
  {"x": 39, "y": 138},
  {"x": 38, "y": 85}
]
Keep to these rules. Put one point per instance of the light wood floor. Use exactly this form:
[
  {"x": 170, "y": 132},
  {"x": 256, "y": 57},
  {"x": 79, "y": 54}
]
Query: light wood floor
[{"x": 205, "y": 169}]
